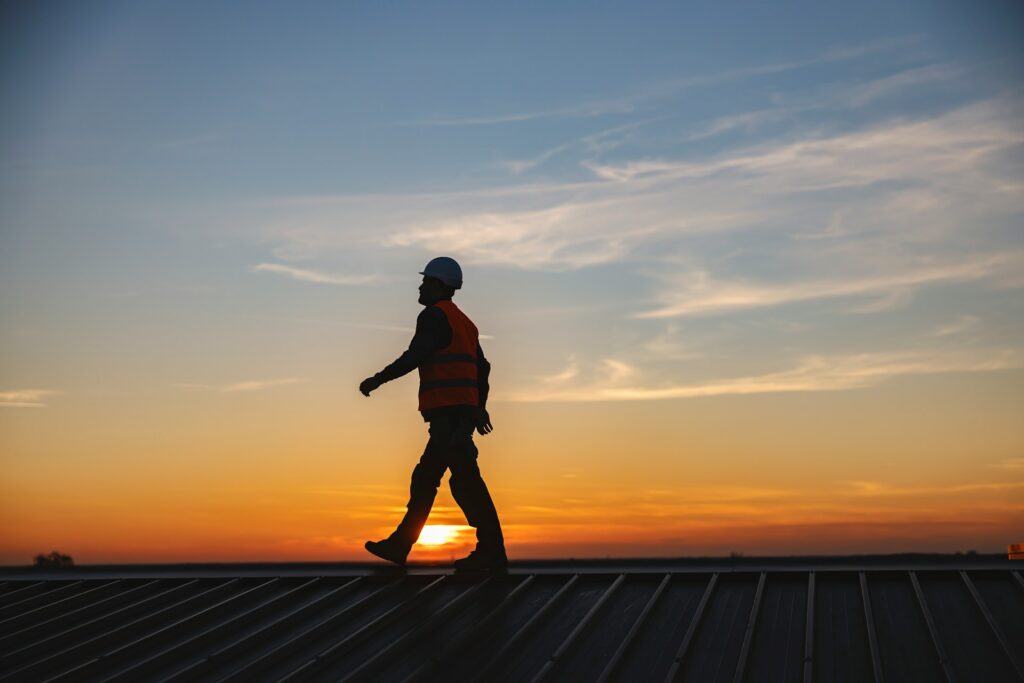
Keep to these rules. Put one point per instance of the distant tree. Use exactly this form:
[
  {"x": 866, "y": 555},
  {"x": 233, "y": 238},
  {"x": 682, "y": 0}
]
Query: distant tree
[{"x": 54, "y": 559}]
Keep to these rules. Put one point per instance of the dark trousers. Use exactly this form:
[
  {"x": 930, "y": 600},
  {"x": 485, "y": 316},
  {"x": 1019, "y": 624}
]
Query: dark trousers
[{"x": 451, "y": 447}]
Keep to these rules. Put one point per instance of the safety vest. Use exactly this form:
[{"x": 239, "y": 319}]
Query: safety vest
[{"x": 448, "y": 376}]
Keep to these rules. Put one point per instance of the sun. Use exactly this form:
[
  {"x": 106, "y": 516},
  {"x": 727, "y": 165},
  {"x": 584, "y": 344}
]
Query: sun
[{"x": 438, "y": 534}]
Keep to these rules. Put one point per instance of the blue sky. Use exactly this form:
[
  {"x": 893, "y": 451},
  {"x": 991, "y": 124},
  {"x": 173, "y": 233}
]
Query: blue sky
[
  {"x": 849, "y": 173},
  {"x": 750, "y": 276}
]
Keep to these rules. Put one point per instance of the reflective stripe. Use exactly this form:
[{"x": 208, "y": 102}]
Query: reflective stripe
[
  {"x": 450, "y": 358},
  {"x": 447, "y": 384}
]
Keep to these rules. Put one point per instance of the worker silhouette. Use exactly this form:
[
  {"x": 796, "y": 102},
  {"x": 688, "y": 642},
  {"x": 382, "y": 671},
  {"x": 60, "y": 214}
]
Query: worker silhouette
[{"x": 453, "y": 400}]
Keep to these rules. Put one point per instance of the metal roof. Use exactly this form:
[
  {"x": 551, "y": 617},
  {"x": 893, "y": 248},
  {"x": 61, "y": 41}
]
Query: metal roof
[{"x": 727, "y": 621}]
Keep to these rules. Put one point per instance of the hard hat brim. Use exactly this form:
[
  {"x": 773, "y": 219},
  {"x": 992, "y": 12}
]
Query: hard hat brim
[{"x": 455, "y": 286}]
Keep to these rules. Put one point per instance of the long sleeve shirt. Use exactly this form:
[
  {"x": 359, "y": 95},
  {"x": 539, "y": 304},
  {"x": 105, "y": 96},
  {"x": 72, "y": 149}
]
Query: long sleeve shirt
[{"x": 432, "y": 334}]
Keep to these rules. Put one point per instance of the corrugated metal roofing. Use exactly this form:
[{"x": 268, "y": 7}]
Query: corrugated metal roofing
[{"x": 597, "y": 622}]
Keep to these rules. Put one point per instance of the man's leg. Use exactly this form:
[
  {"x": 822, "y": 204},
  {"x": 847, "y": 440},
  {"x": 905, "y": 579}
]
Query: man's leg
[
  {"x": 470, "y": 491},
  {"x": 426, "y": 477}
]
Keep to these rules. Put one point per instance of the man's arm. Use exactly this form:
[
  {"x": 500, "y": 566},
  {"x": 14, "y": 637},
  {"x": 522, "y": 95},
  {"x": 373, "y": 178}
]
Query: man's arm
[
  {"x": 483, "y": 373},
  {"x": 432, "y": 333},
  {"x": 483, "y": 386}
]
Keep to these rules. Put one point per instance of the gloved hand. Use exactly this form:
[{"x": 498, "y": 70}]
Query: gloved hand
[
  {"x": 483, "y": 421},
  {"x": 369, "y": 384}
]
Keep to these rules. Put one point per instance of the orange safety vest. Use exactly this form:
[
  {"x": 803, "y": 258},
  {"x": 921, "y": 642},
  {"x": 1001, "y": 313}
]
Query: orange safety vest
[{"x": 448, "y": 376}]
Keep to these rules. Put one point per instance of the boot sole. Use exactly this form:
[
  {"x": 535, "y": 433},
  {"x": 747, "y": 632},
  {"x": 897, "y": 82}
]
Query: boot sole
[{"x": 400, "y": 563}]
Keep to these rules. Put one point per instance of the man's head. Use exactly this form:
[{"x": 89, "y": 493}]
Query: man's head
[
  {"x": 441, "y": 277},
  {"x": 445, "y": 269},
  {"x": 433, "y": 290}
]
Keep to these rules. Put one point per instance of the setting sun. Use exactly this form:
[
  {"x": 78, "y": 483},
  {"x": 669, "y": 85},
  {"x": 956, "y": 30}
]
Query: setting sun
[
  {"x": 756, "y": 296},
  {"x": 439, "y": 534}
]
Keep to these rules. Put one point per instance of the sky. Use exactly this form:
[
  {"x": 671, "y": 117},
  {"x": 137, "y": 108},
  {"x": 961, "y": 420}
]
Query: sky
[{"x": 749, "y": 276}]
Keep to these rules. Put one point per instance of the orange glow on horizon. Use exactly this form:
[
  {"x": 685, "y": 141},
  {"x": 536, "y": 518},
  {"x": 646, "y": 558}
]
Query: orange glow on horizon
[{"x": 567, "y": 481}]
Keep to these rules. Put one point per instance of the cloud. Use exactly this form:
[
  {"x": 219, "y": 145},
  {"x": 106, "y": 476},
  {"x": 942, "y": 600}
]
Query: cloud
[
  {"x": 617, "y": 370},
  {"x": 1009, "y": 464},
  {"x": 931, "y": 174},
  {"x": 315, "y": 276},
  {"x": 344, "y": 323},
  {"x": 251, "y": 385},
  {"x": 893, "y": 299},
  {"x": 594, "y": 143},
  {"x": 570, "y": 372},
  {"x": 747, "y": 120},
  {"x": 881, "y": 488},
  {"x": 518, "y": 166},
  {"x": 580, "y": 110},
  {"x": 961, "y": 324},
  {"x": 547, "y": 238},
  {"x": 339, "y": 323},
  {"x": 832, "y": 230},
  {"x": 914, "y": 181},
  {"x": 699, "y": 294},
  {"x": 899, "y": 83},
  {"x": 839, "y": 97},
  {"x": 927, "y": 149},
  {"x": 813, "y": 373},
  {"x": 833, "y": 55},
  {"x": 666, "y": 345},
  {"x": 646, "y": 94},
  {"x": 26, "y": 398}
]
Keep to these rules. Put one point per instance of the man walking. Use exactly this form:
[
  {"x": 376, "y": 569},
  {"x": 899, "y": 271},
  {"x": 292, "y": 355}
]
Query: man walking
[{"x": 452, "y": 399}]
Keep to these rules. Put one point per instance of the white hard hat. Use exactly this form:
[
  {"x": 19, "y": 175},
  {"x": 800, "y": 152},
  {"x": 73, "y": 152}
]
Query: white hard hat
[{"x": 446, "y": 270}]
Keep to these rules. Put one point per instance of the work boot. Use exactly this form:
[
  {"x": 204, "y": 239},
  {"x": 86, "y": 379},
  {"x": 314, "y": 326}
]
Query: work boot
[
  {"x": 389, "y": 549},
  {"x": 483, "y": 560}
]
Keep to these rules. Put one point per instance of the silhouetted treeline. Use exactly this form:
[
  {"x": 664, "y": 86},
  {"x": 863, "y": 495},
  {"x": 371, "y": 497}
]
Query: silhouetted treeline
[{"x": 54, "y": 559}]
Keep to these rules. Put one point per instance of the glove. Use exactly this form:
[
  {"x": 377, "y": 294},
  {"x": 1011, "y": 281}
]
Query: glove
[
  {"x": 369, "y": 384},
  {"x": 483, "y": 421}
]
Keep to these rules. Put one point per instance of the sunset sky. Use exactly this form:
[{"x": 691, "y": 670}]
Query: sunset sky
[{"x": 750, "y": 279}]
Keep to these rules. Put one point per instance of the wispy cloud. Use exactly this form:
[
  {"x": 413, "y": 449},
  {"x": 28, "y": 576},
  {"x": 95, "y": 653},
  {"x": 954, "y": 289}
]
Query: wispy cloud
[
  {"x": 899, "y": 176},
  {"x": 883, "y": 488},
  {"x": 630, "y": 101},
  {"x": 814, "y": 373},
  {"x": 611, "y": 370},
  {"x": 843, "y": 509},
  {"x": 545, "y": 238},
  {"x": 731, "y": 122},
  {"x": 961, "y": 324},
  {"x": 518, "y": 166},
  {"x": 698, "y": 293},
  {"x": 668, "y": 345},
  {"x": 594, "y": 143},
  {"x": 833, "y": 55},
  {"x": 26, "y": 398},
  {"x": 617, "y": 370},
  {"x": 624, "y": 104},
  {"x": 570, "y": 372},
  {"x": 316, "y": 276},
  {"x": 834, "y": 97},
  {"x": 832, "y": 230},
  {"x": 1009, "y": 464},
  {"x": 926, "y": 176},
  {"x": 923, "y": 149},
  {"x": 250, "y": 385},
  {"x": 898, "y": 83},
  {"x": 334, "y": 323}
]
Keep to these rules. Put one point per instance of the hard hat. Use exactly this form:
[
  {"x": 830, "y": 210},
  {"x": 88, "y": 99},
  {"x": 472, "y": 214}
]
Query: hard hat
[{"x": 446, "y": 270}]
